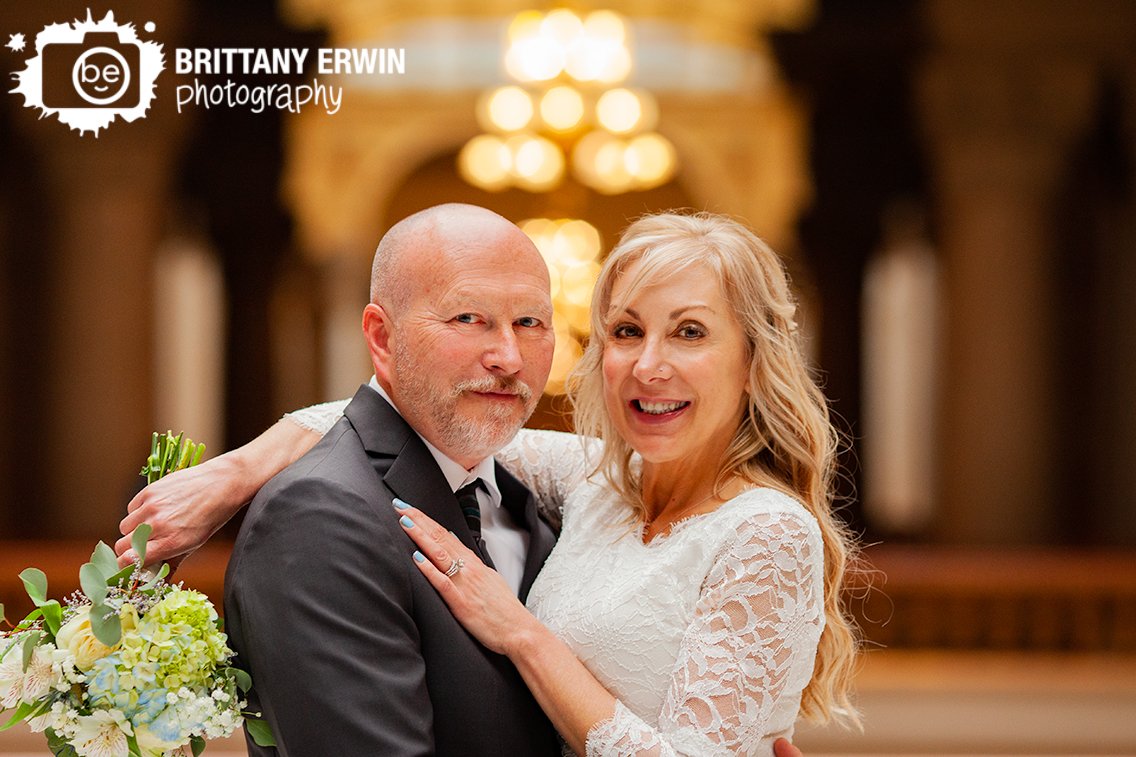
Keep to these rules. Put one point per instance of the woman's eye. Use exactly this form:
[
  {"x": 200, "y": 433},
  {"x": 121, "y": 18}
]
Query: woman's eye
[
  {"x": 691, "y": 331},
  {"x": 625, "y": 331}
]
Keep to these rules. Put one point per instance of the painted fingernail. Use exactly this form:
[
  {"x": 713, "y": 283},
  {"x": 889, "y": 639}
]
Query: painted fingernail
[
  {"x": 399, "y": 504},
  {"x": 406, "y": 522},
  {"x": 419, "y": 557}
]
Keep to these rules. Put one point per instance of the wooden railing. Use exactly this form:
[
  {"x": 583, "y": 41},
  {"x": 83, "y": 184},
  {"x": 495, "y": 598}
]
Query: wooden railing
[{"x": 918, "y": 598}]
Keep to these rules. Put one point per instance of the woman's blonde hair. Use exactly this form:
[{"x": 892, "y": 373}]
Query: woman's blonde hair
[{"x": 784, "y": 439}]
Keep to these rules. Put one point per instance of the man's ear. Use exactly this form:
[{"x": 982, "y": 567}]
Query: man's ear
[{"x": 377, "y": 331}]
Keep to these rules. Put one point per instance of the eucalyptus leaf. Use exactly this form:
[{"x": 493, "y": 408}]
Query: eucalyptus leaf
[
  {"x": 52, "y": 616},
  {"x": 93, "y": 581},
  {"x": 138, "y": 541},
  {"x": 31, "y": 641},
  {"x": 105, "y": 624},
  {"x": 120, "y": 576},
  {"x": 197, "y": 745},
  {"x": 260, "y": 731},
  {"x": 105, "y": 559},
  {"x": 35, "y": 583},
  {"x": 163, "y": 571},
  {"x": 244, "y": 681}
]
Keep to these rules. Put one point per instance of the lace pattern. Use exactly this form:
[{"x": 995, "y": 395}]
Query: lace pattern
[
  {"x": 706, "y": 636},
  {"x": 319, "y": 418}
]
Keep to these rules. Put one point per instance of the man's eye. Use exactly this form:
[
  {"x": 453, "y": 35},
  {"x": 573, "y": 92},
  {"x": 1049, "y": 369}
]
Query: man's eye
[
  {"x": 466, "y": 318},
  {"x": 528, "y": 322}
]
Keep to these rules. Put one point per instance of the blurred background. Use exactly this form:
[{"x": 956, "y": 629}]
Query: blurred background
[{"x": 951, "y": 183}]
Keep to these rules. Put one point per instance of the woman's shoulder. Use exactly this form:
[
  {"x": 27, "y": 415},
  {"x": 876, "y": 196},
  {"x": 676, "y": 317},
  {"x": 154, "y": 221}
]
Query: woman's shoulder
[{"x": 764, "y": 507}]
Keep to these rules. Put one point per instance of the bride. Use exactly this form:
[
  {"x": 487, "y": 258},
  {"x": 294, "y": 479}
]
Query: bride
[{"x": 693, "y": 602}]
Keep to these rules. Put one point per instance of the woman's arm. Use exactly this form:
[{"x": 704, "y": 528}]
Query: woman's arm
[
  {"x": 752, "y": 640},
  {"x": 187, "y": 507}
]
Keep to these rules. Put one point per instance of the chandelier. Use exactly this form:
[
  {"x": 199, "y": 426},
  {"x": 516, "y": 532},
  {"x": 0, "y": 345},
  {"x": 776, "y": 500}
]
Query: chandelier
[{"x": 567, "y": 111}]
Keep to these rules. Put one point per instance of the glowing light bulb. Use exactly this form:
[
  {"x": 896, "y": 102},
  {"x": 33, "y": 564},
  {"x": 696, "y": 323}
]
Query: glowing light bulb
[
  {"x": 508, "y": 109},
  {"x": 562, "y": 108},
  {"x": 650, "y": 159},
  {"x": 619, "y": 110},
  {"x": 486, "y": 161},
  {"x": 538, "y": 164}
]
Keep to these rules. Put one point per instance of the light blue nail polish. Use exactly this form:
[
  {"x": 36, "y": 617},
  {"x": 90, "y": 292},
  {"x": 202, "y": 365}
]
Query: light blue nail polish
[
  {"x": 399, "y": 504},
  {"x": 406, "y": 522},
  {"x": 419, "y": 557}
]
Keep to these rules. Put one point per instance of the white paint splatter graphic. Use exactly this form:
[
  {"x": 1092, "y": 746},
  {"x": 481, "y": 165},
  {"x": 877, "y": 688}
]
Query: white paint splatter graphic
[
  {"x": 15, "y": 42},
  {"x": 91, "y": 72}
]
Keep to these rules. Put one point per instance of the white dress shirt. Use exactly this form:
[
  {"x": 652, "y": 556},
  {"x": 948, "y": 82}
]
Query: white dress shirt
[{"x": 508, "y": 544}]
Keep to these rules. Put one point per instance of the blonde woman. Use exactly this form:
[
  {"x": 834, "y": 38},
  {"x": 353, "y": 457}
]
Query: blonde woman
[{"x": 693, "y": 602}]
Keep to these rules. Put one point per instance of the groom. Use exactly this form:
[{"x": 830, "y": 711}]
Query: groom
[{"x": 351, "y": 651}]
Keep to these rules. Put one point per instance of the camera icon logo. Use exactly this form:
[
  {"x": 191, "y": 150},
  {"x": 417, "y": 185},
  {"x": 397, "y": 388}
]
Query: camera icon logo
[
  {"x": 98, "y": 72},
  {"x": 90, "y": 73}
]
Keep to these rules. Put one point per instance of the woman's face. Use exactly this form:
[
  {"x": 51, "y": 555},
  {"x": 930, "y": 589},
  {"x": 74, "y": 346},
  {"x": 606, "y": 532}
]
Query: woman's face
[{"x": 675, "y": 367}]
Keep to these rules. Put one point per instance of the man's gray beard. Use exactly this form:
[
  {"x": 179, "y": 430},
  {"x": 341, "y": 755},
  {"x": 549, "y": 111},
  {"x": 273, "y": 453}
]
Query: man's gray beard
[{"x": 461, "y": 435}]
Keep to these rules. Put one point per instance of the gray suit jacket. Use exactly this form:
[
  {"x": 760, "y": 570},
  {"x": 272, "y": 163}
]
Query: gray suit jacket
[{"x": 351, "y": 650}]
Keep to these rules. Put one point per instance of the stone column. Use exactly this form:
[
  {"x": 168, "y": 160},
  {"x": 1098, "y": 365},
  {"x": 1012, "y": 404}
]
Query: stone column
[
  {"x": 105, "y": 200},
  {"x": 1000, "y": 123}
]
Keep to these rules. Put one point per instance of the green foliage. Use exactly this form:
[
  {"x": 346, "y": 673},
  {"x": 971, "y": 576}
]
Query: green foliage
[
  {"x": 197, "y": 745},
  {"x": 105, "y": 560},
  {"x": 35, "y": 583},
  {"x": 260, "y": 731},
  {"x": 31, "y": 641},
  {"x": 169, "y": 453},
  {"x": 52, "y": 616},
  {"x": 93, "y": 581},
  {"x": 138, "y": 541},
  {"x": 105, "y": 624},
  {"x": 58, "y": 745}
]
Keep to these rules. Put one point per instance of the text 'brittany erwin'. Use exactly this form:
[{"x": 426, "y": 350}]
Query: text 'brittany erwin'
[{"x": 206, "y": 61}]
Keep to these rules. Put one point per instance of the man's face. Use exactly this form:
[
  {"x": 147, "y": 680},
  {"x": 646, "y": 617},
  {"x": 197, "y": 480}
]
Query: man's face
[{"x": 472, "y": 348}]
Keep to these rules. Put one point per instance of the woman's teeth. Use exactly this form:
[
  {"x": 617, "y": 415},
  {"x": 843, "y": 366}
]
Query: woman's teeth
[{"x": 659, "y": 408}]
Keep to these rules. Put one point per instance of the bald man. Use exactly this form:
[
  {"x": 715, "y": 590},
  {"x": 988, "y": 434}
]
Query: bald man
[{"x": 351, "y": 651}]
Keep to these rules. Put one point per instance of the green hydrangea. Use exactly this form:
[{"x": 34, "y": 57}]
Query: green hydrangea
[{"x": 178, "y": 640}]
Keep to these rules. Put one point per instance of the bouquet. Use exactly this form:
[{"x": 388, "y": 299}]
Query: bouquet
[{"x": 129, "y": 665}]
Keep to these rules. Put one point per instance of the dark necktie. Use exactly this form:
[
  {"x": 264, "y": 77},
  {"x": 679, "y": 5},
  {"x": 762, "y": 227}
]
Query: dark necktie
[{"x": 471, "y": 509}]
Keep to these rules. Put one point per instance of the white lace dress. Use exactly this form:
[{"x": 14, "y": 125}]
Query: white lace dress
[{"x": 706, "y": 636}]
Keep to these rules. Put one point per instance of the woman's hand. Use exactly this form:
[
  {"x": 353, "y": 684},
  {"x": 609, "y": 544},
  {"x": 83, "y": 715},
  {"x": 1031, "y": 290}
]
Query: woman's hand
[
  {"x": 476, "y": 594},
  {"x": 184, "y": 509},
  {"x": 187, "y": 507}
]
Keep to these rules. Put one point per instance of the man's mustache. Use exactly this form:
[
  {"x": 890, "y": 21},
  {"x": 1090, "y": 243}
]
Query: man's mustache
[{"x": 496, "y": 385}]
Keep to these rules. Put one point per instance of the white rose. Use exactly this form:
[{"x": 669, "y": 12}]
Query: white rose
[{"x": 77, "y": 638}]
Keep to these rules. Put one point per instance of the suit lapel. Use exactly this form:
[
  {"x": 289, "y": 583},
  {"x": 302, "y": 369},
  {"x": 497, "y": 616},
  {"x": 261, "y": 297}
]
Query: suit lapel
[
  {"x": 409, "y": 471},
  {"x": 403, "y": 461}
]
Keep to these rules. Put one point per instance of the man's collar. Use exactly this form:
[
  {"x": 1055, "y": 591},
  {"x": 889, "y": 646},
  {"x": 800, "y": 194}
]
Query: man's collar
[{"x": 456, "y": 475}]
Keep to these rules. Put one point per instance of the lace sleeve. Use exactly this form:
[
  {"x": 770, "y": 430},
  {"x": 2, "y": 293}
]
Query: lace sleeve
[
  {"x": 318, "y": 418},
  {"x": 752, "y": 641},
  {"x": 551, "y": 464}
]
